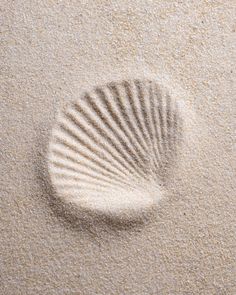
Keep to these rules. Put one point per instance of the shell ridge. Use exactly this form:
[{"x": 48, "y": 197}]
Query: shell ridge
[
  {"x": 160, "y": 117},
  {"x": 125, "y": 149},
  {"x": 118, "y": 93},
  {"x": 142, "y": 93},
  {"x": 120, "y": 124},
  {"x": 156, "y": 119},
  {"x": 105, "y": 135},
  {"x": 102, "y": 171},
  {"x": 130, "y": 89},
  {"x": 134, "y": 118},
  {"x": 151, "y": 127},
  {"x": 89, "y": 147},
  {"x": 64, "y": 172},
  {"x": 61, "y": 176},
  {"x": 82, "y": 154},
  {"x": 102, "y": 146}
]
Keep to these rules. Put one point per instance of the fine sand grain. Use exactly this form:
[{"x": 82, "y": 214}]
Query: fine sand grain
[{"x": 51, "y": 52}]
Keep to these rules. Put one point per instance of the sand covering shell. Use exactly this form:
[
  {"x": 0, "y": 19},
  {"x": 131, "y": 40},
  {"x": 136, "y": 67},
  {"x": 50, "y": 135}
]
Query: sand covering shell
[{"x": 112, "y": 148}]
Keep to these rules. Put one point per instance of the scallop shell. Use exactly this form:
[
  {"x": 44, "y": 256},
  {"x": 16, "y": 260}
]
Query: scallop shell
[{"x": 112, "y": 149}]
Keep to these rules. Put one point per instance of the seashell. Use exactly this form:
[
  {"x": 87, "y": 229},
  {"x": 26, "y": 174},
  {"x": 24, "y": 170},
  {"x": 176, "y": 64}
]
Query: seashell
[{"x": 112, "y": 150}]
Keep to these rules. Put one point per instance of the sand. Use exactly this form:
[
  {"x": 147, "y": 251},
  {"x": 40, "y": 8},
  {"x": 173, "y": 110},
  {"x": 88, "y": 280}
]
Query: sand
[{"x": 51, "y": 52}]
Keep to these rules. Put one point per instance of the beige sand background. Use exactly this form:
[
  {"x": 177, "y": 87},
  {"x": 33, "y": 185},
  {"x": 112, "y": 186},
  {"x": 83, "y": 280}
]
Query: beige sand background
[{"x": 50, "y": 51}]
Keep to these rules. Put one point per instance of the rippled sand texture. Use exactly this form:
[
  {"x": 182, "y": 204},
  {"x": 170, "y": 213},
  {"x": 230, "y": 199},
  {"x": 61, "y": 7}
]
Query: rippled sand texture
[{"x": 112, "y": 149}]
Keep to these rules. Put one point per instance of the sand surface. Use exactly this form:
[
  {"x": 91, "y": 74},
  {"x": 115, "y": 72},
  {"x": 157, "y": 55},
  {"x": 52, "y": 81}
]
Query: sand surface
[{"x": 53, "y": 50}]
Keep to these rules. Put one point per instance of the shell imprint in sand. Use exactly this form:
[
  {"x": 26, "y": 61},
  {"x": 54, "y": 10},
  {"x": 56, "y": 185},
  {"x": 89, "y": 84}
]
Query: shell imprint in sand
[{"x": 112, "y": 149}]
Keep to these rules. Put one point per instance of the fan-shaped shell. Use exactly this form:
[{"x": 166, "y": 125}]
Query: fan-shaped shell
[{"x": 111, "y": 149}]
